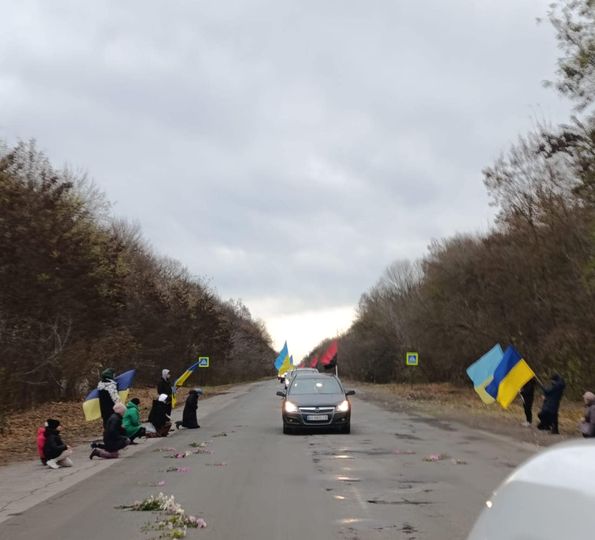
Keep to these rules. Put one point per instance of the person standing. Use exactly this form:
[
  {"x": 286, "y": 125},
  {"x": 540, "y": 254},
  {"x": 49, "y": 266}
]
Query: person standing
[
  {"x": 55, "y": 451},
  {"x": 189, "y": 420},
  {"x": 131, "y": 421},
  {"x": 588, "y": 423},
  {"x": 164, "y": 387},
  {"x": 527, "y": 395},
  {"x": 552, "y": 395},
  {"x": 108, "y": 394}
]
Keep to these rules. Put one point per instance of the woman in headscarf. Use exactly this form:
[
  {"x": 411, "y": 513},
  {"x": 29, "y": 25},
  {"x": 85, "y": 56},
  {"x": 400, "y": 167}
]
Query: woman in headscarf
[
  {"x": 159, "y": 417},
  {"x": 164, "y": 387},
  {"x": 189, "y": 420},
  {"x": 108, "y": 394},
  {"x": 588, "y": 424}
]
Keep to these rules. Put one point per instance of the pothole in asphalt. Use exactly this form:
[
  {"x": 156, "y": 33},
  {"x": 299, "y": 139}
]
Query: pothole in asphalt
[{"x": 407, "y": 437}]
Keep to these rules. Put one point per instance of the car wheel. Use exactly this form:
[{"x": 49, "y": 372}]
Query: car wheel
[{"x": 346, "y": 428}]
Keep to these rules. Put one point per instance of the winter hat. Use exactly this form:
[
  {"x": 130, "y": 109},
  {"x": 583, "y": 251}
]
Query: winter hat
[
  {"x": 199, "y": 391},
  {"x": 589, "y": 397},
  {"x": 135, "y": 400},
  {"x": 162, "y": 398},
  {"x": 52, "y": 424},
  {"x": 119, "y": 408},
  {"x": 165, "y": 373},
  {"x": 108, "y": 373}
]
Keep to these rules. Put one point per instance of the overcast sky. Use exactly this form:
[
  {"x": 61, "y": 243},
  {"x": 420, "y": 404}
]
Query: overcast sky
[{"x": 287, "y": 151}]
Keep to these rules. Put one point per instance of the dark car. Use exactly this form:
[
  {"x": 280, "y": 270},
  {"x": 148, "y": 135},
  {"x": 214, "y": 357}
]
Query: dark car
[{"x": 316, "y": 401}]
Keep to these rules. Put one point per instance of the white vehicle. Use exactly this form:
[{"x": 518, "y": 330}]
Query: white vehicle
[{"x": 549, "y": 497}]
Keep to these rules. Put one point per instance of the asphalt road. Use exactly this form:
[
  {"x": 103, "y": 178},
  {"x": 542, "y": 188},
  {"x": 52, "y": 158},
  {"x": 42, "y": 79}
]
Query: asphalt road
[{"x": 259, "y": 484}]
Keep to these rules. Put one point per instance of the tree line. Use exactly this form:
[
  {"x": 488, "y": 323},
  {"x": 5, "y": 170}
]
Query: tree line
[
  {"x": 530, "y": 281},
  {"x": 80, "y": 291}
]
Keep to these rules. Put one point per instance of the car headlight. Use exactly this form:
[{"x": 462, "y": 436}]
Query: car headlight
[
  {"x": 290, "y": 407},
  {"x": 343, "y": 406}
]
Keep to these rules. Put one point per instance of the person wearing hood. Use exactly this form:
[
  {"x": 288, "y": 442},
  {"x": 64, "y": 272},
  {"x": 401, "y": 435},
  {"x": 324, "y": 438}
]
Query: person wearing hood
[
  {"x": 131, "y": 421},
  {"x": 114, "y": 436},
  {"x": 164, "y": 387},
  {"x": 552, "y": 395},
  {"x": 55, "y": 451},
  {"x": 189, "y": 419},
  {"x": 108, "y": 394},
  {"x": 159, "y": 417},
  {"x": 588, "y": 423}
]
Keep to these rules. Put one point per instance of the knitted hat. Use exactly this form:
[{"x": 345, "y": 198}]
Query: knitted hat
[
  {"x": 135, "y": 400},
  {"x": 165, "y": 373},
  {"x": 589, "y": 397},
  {"x": 52, "y": 424},
  {"x": 108, "y": 373}
]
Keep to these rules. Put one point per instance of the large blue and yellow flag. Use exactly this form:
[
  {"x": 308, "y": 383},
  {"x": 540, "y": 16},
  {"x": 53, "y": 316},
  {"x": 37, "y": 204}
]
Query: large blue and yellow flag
[
  {"x": 481, "y": 372},
  {"x": 510, "y": 376},
  {"x": 283, "y": 355},
  {"x": 181, "y": 380},
  {"x": 91, "y": 404}
]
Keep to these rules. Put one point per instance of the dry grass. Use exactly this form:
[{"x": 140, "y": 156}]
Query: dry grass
[
  {"x": 463, "y": 404},
  {"x": 18, "y": 441}
]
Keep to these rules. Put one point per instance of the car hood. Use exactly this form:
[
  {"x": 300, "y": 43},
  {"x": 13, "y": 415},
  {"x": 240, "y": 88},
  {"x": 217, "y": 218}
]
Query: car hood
[{"x": 315, "y": 400}]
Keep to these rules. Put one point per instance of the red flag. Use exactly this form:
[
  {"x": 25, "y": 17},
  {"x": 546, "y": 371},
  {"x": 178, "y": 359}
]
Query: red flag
[
  {"x": 314, "y": 361},
  {"x": 329, "y": 358}
]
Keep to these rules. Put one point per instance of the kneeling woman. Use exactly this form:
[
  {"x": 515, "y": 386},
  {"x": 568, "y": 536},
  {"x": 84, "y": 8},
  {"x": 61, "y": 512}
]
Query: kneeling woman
[
  {"x": 114, "y": 436},
  {"x": 159, "y": 417}
]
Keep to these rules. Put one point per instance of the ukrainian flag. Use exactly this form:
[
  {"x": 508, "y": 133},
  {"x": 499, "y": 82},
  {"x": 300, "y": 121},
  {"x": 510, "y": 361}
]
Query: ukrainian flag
[
  {"x": 283, "y": 355},
  {"x": 510, "y": 376},
  {"x": 181, "y": 380},
  {"x": 286, "y": 365},
  {"x": 482, "y": 371},
  {"x": 91, "y": 404}
]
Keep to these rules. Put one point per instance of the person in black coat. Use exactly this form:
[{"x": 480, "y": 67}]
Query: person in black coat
[
  {"x": 189, "y": 419},
  {"x": 527, "y": 395},
  {"x": 55, "y": 451},
  {"x": 114, "y": 436},
  {"x": 552, "y": 395},
  {"x": 164, "y": 387},
  {"x": 108, "y": 394},
  {"x": 159, "y": 416}
]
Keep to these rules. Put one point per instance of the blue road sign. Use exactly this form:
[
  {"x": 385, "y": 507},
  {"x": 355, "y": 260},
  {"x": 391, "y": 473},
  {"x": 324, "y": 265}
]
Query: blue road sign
[
  {"x": 412, "y": 359},
  {"x": 203, "y": 361}
]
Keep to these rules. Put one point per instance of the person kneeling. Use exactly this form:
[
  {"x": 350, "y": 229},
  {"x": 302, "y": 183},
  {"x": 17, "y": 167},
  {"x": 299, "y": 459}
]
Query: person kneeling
[
  {"x": 131, "y": 421},
  {"x": 56, "y": 453},
  {"x": 114, "y": 436},
  {"x": 159, "y": 417},
  {"x": 189, "y": 420}
]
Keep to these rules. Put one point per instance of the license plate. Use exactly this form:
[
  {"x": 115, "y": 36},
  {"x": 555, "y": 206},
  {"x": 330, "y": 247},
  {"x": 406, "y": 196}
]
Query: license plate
[{"x": 316, "y": 417}]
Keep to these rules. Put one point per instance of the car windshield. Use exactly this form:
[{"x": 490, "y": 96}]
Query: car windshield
[{"x": 302, "y": 385}]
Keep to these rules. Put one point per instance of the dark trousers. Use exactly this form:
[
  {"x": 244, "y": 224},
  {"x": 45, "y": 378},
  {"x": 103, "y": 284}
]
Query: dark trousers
[
  {"x": 141, "y": 432},
  {"x": 528, "y": 407},
  {"x": 548, "y": 421}
]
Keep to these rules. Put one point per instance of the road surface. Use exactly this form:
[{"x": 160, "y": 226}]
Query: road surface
[{"x": 257, "y": 484}]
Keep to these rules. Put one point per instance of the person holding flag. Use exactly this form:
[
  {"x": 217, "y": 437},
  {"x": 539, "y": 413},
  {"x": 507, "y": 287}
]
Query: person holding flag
[{"x": 108, "y": 394}]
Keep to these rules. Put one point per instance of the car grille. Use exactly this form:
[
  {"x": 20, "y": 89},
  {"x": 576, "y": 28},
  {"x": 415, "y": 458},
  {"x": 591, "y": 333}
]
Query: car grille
[{"x": 308, "y": 411}]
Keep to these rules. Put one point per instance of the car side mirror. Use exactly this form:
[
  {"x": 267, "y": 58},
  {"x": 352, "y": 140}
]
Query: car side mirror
[
  {"x": 350, "y": 393},
  {"x": 281, "y": 394}
]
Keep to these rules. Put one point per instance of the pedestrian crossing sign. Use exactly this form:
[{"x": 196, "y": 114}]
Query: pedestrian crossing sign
[
  {"x": 412, "y": 359},
  {"x": 203, "y": 361}
]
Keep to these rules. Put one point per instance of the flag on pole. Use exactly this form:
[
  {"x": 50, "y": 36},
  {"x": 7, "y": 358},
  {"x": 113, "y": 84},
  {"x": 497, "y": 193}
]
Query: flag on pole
[
  {"x": 285, "y": 366},
  {"x": 91, "y": 408},
  {"x": 283, "y": 355},
  {"x": 314, "y": 361},
  {"x": 481, "y": 372},
  {"x": 181, "y": 380},
  {"x": 510, "y": 376},
  {"x": 329, "y": 358}
]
